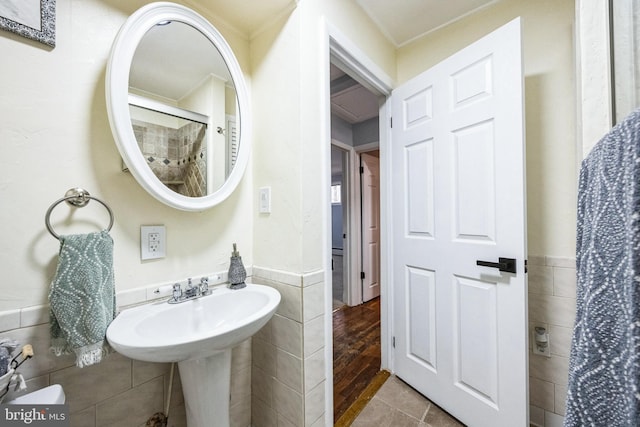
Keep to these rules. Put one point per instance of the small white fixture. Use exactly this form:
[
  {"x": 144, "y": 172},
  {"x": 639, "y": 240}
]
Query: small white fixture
[
  {"x": 265, "y": 200},
  {"x": 199, "y": 335},
  {"x": 52, "y": 395},
  {"x": 541, "y": 341},
  {"x": 153, "y": 240}
]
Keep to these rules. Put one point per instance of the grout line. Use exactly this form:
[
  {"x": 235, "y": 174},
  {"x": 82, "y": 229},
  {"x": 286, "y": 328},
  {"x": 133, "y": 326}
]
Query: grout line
[{"x": 354, "y": 410}]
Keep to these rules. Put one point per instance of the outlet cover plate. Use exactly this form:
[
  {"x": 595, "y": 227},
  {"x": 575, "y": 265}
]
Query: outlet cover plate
[{"x": 153, "y": 240}]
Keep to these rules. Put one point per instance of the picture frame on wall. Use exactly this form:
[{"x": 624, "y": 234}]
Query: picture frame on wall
[{"x": 33, "y": 19}]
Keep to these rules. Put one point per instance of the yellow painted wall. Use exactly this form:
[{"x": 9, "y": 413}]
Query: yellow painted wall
[
  {"x": 289, "y": 65},
  {"x": 550, "y": 104},
  {"x": 55, "y": 135}
]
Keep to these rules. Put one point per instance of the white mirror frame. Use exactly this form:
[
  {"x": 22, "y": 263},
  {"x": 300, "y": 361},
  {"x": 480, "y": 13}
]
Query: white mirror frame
[{"x": 117, "y": 93}]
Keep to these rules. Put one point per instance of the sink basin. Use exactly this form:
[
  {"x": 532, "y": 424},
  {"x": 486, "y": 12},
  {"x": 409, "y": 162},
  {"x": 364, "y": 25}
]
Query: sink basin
[
  {"x": 193, "y": 329},
  {"x": 199, "y": 335}
]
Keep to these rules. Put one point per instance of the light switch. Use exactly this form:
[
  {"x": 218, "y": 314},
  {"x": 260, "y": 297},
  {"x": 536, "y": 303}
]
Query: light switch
[{"x": 265, "y": 200}]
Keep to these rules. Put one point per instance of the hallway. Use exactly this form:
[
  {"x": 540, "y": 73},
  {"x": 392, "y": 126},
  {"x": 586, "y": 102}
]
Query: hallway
[
  {"x": 362, "y": 394},
  {"x": 356, "y": 352}
]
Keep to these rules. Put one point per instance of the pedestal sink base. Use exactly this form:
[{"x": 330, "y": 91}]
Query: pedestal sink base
[{"x": 206, "y": 385}]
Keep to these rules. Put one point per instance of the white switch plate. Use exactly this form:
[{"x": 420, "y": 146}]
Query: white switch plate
[
  {"x": 153, "y": 240},
  {"x": 265, "y": 200}
]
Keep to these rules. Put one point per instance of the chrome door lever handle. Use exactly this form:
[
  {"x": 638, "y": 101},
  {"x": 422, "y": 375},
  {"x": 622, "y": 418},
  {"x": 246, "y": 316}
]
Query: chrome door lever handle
[{"x": 508, "y": 265}]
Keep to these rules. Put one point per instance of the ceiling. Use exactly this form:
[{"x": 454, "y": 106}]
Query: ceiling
[
  {"x": 405, "y": 20},
  {"x": 401, "y": 20}
]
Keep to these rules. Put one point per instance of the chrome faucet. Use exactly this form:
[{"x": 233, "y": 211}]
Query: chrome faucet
[{"x": 191, "y": 291}]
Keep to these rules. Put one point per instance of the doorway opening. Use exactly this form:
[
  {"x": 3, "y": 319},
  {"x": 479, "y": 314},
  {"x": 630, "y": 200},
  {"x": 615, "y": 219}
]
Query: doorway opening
[{"x": 355, "y": 235}]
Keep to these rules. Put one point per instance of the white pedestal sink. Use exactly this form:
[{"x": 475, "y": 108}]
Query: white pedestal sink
[{"x": 199, "y": 335}]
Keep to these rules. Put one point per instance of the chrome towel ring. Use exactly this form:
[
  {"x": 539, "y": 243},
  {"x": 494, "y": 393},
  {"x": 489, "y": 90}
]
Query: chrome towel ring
[{"x": 79, "y": 198}]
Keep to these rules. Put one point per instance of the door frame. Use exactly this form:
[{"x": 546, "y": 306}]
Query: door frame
[
  {"x": 351, "y": 245},
  {"x": 340, "y": 50}
]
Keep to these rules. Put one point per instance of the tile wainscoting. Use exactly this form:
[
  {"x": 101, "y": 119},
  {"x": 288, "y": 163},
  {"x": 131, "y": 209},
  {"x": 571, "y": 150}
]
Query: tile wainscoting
[
  {"x": 118, "y": 392},
  {"x": 278, "y": 377},
  {"x": 552, "y": 303},
  {"x": 288, "y": 374}
]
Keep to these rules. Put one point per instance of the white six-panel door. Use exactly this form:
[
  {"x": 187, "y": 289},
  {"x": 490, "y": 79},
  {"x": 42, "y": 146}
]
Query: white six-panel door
[
  {"x": 370, "y": 226},
  {"x": 458, "y": 197}
]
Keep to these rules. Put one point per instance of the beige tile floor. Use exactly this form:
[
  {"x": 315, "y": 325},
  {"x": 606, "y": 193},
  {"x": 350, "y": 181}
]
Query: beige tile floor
[{"x": 398, "y": 405}]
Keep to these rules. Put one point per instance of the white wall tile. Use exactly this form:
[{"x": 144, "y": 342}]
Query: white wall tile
[
  {"x": 313, "y": 335},
  {"x": 314, "y": 404},
  {"x": 314, "y": 370},
  {"x": 131, "y": 296},
  {"x": 241, "y": 356},
  {"x": 262, "y": 415},
  {"x": 268, "y": 274},
  {"x": 541, "y": 393},
  {"x": 553, "y": 420},
  {"x": 312, "y": 278},
  {"x": 564, "y": 282},
  {"x": 536, "y": 416},
  {"x": 88, "y": 386},
  {"x": 291, "y": 301},
  {"x": 241, "y": 386},
  {"x": 541, "y": 279},
  {"x": 550, "y": 309},
  {"x": 287, "y": 334},
  {"x": 262, "y": 385},
  {"x": 32, "y": 316},
  {"x": 264, "y": 333},
  {"x": 289, "y": 370},
  {"x": 553, "y": 369},
  {"x": 240, "y": 414},
  {"x": 264, "y": 356},
  {"x": 288, "y": 403},
  {"x": 319, "y": 422},
  {"x": 43, "y": 361},
  {"x": 9, "y": 319},
  {"x": 313, "y": 301},
  {"x": 560, "y": 403},
  {"x": 134, "y": 407},
  {"x": 84, "y": 418},
  {"x": 556, "y": 261},
  {"x": 560, "y": 340},
  {"x": 145, "y": 371}
]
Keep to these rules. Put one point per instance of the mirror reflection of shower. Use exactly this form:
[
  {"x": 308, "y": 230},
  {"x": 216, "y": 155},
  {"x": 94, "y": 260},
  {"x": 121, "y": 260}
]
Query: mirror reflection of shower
[
  {"x": 180, "y": 150},
  {"x": 175, "y": 149}
]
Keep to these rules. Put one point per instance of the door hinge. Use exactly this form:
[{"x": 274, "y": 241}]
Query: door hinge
[
  {"x": 391, "y": 120},
  {"x": 393, "y": 342},
  {"x": 362, "y": 275},
  {"x": 361, "y": 170}
]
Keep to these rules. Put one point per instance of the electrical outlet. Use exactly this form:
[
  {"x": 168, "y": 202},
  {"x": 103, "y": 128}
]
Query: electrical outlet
[
  {"x": 540, "y": 340},
  {"x": 152, "y": 241}
]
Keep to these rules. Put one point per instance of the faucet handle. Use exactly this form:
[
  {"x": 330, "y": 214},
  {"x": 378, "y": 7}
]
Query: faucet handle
[
  {"x": 177, "y": 292},
  {"x": 204, "y": 285}
]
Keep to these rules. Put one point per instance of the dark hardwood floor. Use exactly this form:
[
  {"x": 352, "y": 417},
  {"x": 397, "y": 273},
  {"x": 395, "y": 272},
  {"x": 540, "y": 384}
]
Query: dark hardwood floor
[{"x": 356, "y": 352}]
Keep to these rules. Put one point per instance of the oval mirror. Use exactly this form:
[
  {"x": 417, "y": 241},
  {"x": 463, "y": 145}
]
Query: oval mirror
[{"x": 178, "y": 107}]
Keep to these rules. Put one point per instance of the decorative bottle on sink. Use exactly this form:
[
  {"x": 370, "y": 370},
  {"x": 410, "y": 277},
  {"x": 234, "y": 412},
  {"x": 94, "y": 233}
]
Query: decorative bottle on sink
[{"x": 237, "y": 273}]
